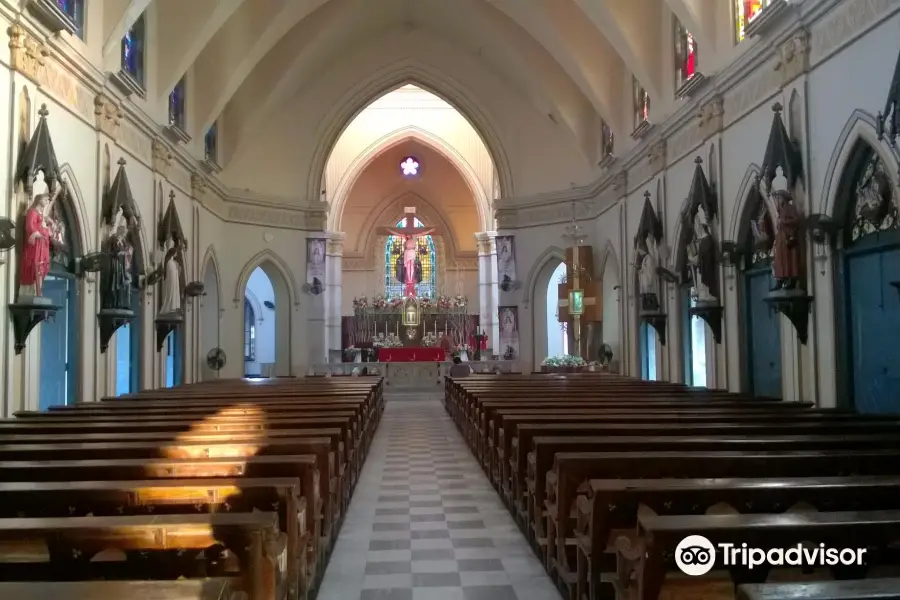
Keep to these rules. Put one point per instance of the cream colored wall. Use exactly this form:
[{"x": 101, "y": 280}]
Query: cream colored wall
[
  {"x": 408, "y": 109},
  {"x": 842, "y": 50},
  {"x": 72, "y": 87}
]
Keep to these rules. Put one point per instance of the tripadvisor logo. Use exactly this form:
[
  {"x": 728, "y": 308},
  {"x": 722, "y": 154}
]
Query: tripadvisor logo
[{"x": 695, "y": 555}]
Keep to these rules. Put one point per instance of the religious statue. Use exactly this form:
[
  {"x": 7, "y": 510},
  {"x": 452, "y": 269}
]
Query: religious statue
[
  {"x": 408, "y": 267},
  {"x": 703, "y": 249},
  {"x": 116, "y": 282},
  {"x": 646, "y": 264},
  {"x": 170, "y": 301},
  {"x": 39, "y": 230},
  {"x": 787, "y": 263}
]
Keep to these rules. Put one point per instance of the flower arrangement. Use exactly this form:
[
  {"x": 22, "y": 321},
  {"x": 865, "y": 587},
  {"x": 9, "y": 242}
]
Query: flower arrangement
[
  {"x": 566, "y": 363},
  {"x": 379, "y": 302},
  {"x": 378, "y": 341},
  {"x": 425, "y": 303},
  {"x": 396, "y": 302},
  {"x": 460, "y": 301},
  {"x": 393, "y": 341},
  {"x": 429, "y": 340},
  {"x": 350, "y": 352},
  {"x": 444, "y": 303},
  {"x": 360, "y": 303}
]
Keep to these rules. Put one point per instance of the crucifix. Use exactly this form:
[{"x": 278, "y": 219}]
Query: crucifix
[
  {"x": 408, "y": 268},
  {"x": 575, "y": 301}
]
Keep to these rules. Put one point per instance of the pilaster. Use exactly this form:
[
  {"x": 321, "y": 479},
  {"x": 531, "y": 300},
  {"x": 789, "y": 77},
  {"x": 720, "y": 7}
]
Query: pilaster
[
  {"x": 334, "y": 256},
  {"x": 488, "y": 287}
]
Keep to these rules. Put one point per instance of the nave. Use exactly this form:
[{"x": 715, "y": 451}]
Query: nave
[{"x": 425, "y": 522}]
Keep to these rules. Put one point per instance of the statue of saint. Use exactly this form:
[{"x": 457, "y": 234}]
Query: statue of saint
[
  {"x": 39, "y": 229},
  {"x": 170, "y": 301},
  {"x": 116, "y": 284},
  {"x": 787, "y": 266},
  {"x": 705, "y": 275},
  {"x": 408, "y": 268},
  {"x": 647, "y": 263}
]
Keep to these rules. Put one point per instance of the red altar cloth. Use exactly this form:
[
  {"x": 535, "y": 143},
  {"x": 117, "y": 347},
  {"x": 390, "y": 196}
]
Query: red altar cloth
[{"x": 410, "y": 354}]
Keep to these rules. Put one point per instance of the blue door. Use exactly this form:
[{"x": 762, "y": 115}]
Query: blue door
[
  {"x": 174, "y": 361},
  {"x": 57, "y": 341},
  {"x": 874, "y": 307},
  {"x": 763, "y": 336},
  {"x": 648, "y": 352},
  {"x": 128, "y": 351}
]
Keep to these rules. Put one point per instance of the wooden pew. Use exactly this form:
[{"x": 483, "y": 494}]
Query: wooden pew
[
  {"x": 71, "y": 542},
  {"x": 44, "y": 499},
  {"x": 646, "y": 568},
  {"x": 694, "y": 464},
  {"x": 284, "y": 422},
  {"x": 609, "y": 507},
  {"x": 186, "y": 589}
]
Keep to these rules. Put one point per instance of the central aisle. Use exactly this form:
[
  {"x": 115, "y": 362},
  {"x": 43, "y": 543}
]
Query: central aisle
[{"x": 425, "y": 523}]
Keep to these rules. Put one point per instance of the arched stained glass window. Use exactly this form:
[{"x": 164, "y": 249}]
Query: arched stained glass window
[{"x": 394, "y": 250}]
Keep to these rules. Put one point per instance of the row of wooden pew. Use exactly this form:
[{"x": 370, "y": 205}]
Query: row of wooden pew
[
  {"x": 606, "y": 475},
  {"x": 214, "y": 491}
]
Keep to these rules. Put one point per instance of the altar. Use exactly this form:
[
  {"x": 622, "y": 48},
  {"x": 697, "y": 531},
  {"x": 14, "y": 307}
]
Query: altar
[{"x": 411, "y": 354}]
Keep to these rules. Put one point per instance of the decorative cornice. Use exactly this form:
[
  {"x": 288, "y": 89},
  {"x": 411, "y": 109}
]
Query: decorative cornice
[
  {"x": 162, "y": 157},
  {"x": 792, "y": 59},
  {"x": 108, "y": 115},
  {"x": 27, "y": 54}
]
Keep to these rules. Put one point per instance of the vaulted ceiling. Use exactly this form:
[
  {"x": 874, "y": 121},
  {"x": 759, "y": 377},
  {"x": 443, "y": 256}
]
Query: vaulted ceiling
[{"x": 570, "y": 59}]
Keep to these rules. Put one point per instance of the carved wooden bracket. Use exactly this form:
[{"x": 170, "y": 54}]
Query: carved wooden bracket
[
  {"x": 796, "y": 308},
  {"x": 712, "y": 316}
]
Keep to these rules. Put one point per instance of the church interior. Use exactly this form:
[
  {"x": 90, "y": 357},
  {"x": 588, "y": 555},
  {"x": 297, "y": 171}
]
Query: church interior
[{"x": 469, "y": 299}]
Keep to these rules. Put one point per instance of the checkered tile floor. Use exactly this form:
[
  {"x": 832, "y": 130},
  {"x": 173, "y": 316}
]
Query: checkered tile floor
[{"x": 425, "y": 522}]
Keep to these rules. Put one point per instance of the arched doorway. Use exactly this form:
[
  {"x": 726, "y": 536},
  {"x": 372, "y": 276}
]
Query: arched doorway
[
  {"x": 268, "y": 283},
  {"x": 647, "y": 343},
  {"x": 59, "y": 348},
  {"x": 694, "y": 340},
  {"x": 762, "y": 326},
  {"x": 557, "y": 333},
  {"x": 259, "y": 325},
  {"x": 541, "y": 286},
  {"x": 866, "y": 281}
]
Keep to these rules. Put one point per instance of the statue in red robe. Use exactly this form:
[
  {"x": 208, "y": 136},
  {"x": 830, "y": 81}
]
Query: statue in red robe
[
  {"x": 35, "y": 262},
  {"x": 787, "y": 266}
]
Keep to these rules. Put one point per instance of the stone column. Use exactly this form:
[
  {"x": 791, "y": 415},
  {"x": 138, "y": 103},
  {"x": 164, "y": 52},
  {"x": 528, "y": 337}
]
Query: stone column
[
  {"x": 334, "y": 256},
  {"x": 488, "y": 288}
]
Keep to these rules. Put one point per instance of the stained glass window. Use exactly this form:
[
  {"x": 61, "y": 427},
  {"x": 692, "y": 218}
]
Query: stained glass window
[
  {"x": 74, "y": 9},
  {"x": 176, "y": 105},
  {"x": 133, "y": 50},
  {"x": 211, "y": 144},
  {"x": 393, "y": 252},
  {"x": 744, "y": 13},
  {"x": 641, "y": 103},
  {"x": 409, "y": 166},
  {"x": 685, "y": 55}
]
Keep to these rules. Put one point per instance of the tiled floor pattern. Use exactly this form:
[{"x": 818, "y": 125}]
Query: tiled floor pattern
[{"x": 425, "y": 523}]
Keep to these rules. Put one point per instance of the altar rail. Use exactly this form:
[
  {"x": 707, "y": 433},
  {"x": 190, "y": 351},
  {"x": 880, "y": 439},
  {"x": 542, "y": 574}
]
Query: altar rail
[{"x": 412, "y": 374}]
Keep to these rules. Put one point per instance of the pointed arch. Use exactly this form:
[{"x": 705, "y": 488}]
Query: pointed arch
[
  {"x": 608, "y": 255},
  {"x": 267, "y": 257},
  {"x": 380, "y": 83},
  {"x": 395, "y": 138},
  {"x": 860, "y": 127},
  {"x": 82, "y": 223},
  {"x": 553, "y": 253},
  {"x": 210, "y": 259},
  {"x": 740, "y": 216}
]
